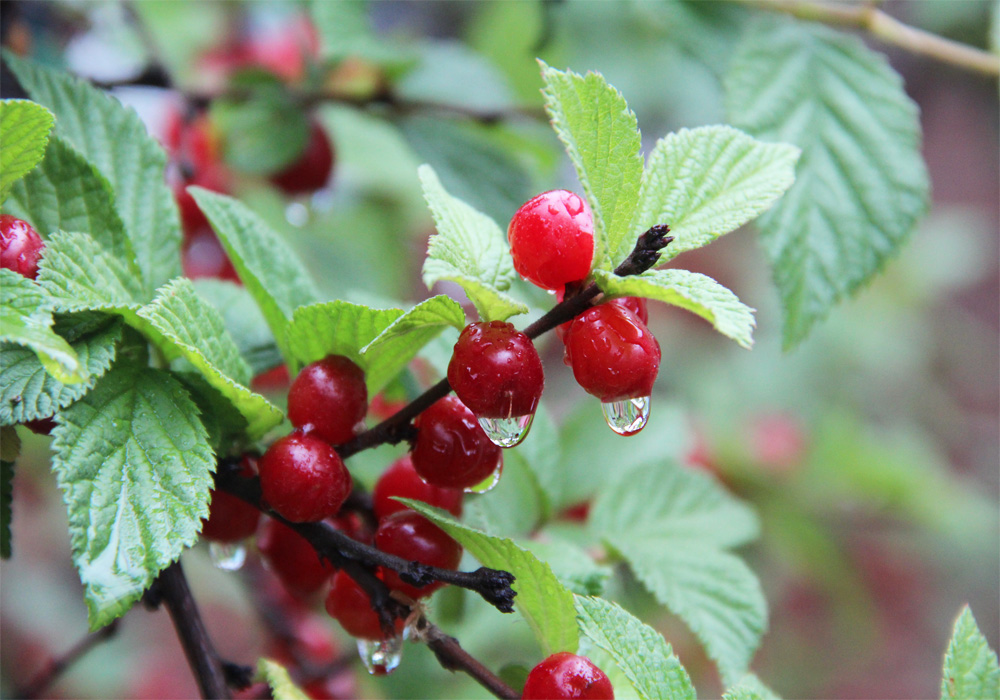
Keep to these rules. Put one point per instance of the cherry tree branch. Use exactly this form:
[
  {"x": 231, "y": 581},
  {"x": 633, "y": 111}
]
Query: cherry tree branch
[
  {"x": 57, "y": 666},
  {"x": 453, "y": 657}
]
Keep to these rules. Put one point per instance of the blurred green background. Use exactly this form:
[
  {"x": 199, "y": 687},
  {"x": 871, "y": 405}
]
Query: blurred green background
[{"x": 871, "y": 452}]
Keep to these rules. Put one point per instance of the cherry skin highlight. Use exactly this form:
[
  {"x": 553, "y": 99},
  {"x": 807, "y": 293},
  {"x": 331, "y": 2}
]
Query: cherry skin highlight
[
  {"x": 402, "y": 480},
  {"x": 566, "y": 675},
  {"x": 303, "y": 478},
  {"x": 329, "y": 399},
  {"x": 312, "y": 170},
  {"x": 451, "y": 450},
  {"x": 290, "y": 556},
  {"x": 350, "y": 605},
  {"x": 409, "y": 535},
  {"x": 20, "y": 246},
  {"x": 613, "y": 355},
  {"x": 552, "y": 239}
]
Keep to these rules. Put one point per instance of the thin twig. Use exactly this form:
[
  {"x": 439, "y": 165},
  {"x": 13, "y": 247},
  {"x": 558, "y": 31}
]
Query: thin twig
[
  {"x": 57, "y": 666},
  {"x": 871, "y": 19},
  {"x": 453, "y": 657}
]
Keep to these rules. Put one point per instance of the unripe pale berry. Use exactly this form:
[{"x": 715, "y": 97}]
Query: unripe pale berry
[
  {"x": 402, "y": 480},
  {"x": 552, "y": 239},
  {"x": 495, "y": 371},
  {"x": 566, "y": 675},
  {"x": 20, "y": 246},
  {"x": 409, "y": 535},
  {"x": 329, "y": 399},
  {"x": 451, "y": 449},
  {"x": 303, "y": 478}
]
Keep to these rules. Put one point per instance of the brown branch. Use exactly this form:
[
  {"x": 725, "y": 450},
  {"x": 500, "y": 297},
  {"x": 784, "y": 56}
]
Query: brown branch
[
  {"x": 57, "y": 666},
  {"x": 453, "y": 657}
]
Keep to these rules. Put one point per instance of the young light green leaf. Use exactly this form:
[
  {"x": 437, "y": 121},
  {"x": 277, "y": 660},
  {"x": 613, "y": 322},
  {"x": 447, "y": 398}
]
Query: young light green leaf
[
  {"x": 862, "y": 184},
  {"x": 28, "y": 392},
  {"x": 601, "y": 136},
  {"x": 970, "y": 666},
  {"x": 244, "y": 321},
  {"x": 750, "y": 688},
  {"x": 133, "y": 461},
  {"x": 24, "y": 131},
  {"x": 277, "y": 679},
  {"x": 67, "y": 193},
  {"x": 469, "y": 249},
  {"x": 693, "y": 291},
  {"x": 638, "y": 650},
  {"x": 671, "y": 525},
  {"x": 544, "y": 602},
  {"x": 113, "y": 138},
  {"x": 26, "y": 320},
  {"x": 194, "y": 330},
  {"x": 706, "y": 182},
  {"x": 6, "y": 495},
  {"x": 272, "y": 273}
]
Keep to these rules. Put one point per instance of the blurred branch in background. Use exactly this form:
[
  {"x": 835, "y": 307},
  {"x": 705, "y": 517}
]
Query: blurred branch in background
[{"x": 57, "y": 666}]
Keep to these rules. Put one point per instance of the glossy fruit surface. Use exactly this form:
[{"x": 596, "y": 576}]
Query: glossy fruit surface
[
  {"x": 612, "y": 353},
  {"x": 451, "y": 450},
  {"x": 566, "y": 675},
  {"x": 329, "y": 399},
  {"x": 303, "y": 478},
  {"x": 292, "y": 559},
  {"x": 409, "y": 535},
  {"x": 402, "y": 480},
  {"x": 230, "y": 518},
  {"x": 312, "y": 170},
  {"x": 349, "y": 605},
  {"x": 636, "y": 305},
  {"x": 552, "y": 239},
  {"x": 495, "y": 370},
  {"x": 20, "y": 246}
]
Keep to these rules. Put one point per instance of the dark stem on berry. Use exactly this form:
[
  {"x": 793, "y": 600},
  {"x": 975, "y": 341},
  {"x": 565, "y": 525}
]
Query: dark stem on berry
[{"x": 57, "y": 666}]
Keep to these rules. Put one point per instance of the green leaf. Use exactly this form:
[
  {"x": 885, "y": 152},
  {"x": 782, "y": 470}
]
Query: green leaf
[
  {"x": 601, "y": 136},
  {"x": 469, "y": 249},
  {"x": 345, "y": 31},
  {"x": 671, "y": 525},
  {"x": 707, "y": 182},
  {"x": 244, "y": 321},
  {"x": 544, "y": 602},
  {"x": 24, "y": 131},
  {"x": 572, "y": 565},
  {"x": 970, "y": 666},
  {"x": 750, "y": 688},
  {"x": 67, "y": 193},
  {"x": 113, "y": 138},
  {"x": 133, "y": 461},
  {"x": 28, "y": 392},
  {"x": 277, "y": 679},
  {"x": 263, "y": 133},
  {"x": 6, "y": 497},
  {"x": 194, "y": 330},
  {"x": 693, "y": 291},
  {"x": 638, "y": 650},
  {"x": 862, "y": 184},
  {"x": 272, "y": 273},
  {"x": 26, "y": 320}
]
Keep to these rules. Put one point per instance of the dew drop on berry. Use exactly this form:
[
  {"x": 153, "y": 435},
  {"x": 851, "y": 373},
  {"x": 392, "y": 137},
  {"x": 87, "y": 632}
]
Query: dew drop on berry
[
  {"x": 228, "y": 556},
  {"x": 627, "y": 417},
  {"x": 381, "y": 656},
  {"x": 506, "y": 432},
  {"x": 489, "y": 482}
]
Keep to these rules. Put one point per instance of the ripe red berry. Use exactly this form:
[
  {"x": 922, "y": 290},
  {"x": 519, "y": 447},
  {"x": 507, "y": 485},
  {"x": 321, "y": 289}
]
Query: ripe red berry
[
  {"x": 552, "y": 239},
  {"x": 303, "y": 478},
  {"x": 329, "y": 399},
  {"x": 495, "y": 371},
  {"x": 612, "y": 353},
  {"x": 409, "y": 535},
  {"x": 292, "y": 559},
  {"x": 350, "y": 605},
  {"x": 230, "y": 518},
  {"x": 312, "y": 170},
  {"x": 20, "y": 246},
  {"x": 204, "y": 256},
  {"x": 636, "y": 305},
  {"x": 402, "y": 480},
  {"x": 451, "y": 449},
  {"x": 566, "y": 675}
]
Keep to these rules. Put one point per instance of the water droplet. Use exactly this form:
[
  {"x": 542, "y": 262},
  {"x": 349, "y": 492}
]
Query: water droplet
[
  {"x": 489, "y": 482},
  {"x": 228, "y": 556},
  {"x": 297, "y": 214},
  {"x": 380, "y": 657},
  {"x": 627, "y": 417},
  {"x": 506, "y": 432}
]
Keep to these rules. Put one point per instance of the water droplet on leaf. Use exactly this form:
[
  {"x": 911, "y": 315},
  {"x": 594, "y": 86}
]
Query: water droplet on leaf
[{"x": 627, "y": 417}]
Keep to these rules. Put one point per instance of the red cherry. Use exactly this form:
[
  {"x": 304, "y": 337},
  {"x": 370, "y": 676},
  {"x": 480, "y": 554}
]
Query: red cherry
[
  {"x": 495, "y": 370},
  {"x": 204, "y": 256},
  {"x": 636, "y": 305},
  {"x": 329, "y": 399},
  {"x": 451, "y": 450},
  {"x": 566, "y": 675},
  {"x": 409, "y": 535},
  {"x": 303, "y": 478},
  {"x": 312, "y": 170},
  {"x": 274, "y": 379},
  {"x": 552, "y": 239},
  {"x": 402, "y": 480},
  {"x": 230, "y": 518},
  {"x": 212, "y": 177},
  {"x": 20, "y": 246},
  {"x": 292, "y": 559},
  {"x": 612, "y": 353},
  {"x": 350, "y": 605}
]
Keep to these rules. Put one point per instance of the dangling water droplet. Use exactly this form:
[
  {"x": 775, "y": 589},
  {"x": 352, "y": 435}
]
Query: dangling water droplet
[
  {"x": 489, "y": 482},
  {"x": 627, "y": 417},
  {"x": 228, "y": 556},
  {"x": 506, "y": 432},
  {"x": 297, "y": 214},
  {"x": 380, "y": 657}
]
